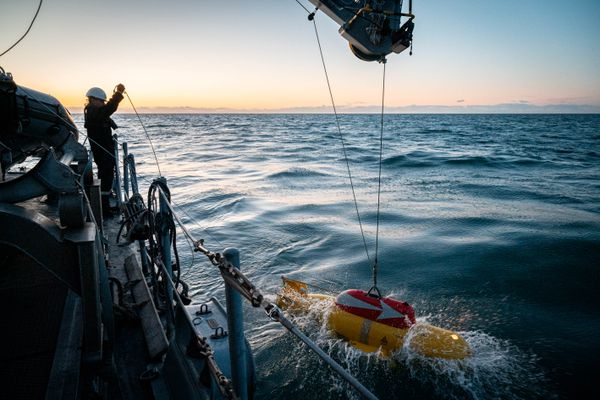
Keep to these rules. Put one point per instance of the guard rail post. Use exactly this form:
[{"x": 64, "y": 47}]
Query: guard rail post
[
  {"x": 133, "y": 174},
  {"x": 125, "y": 170},
  {"x": 117, "y": 183},
  {"x": 235, "y": 325}
]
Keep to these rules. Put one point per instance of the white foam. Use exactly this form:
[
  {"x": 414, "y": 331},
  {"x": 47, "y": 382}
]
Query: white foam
[{"x": 497, "y": 368}]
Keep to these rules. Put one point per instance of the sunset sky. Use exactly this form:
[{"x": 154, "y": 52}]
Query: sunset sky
[{"x": 262, "y": 55}]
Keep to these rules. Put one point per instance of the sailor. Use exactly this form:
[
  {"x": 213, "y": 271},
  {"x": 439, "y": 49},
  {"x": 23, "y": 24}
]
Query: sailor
[{"x": 99, "y": 127}]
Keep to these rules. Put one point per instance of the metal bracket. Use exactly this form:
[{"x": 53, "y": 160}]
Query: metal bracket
[
  {"x": 220, "y": 333},
  {"x": 203, "y": 309}
]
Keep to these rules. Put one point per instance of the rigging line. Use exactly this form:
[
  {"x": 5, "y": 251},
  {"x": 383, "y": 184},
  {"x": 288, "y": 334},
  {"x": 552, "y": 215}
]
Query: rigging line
[
  {"x": 379, "y": 180},
  {"x": 167, "y": 201},
  {"x": 337, "y": 121},
  {"x": 145, "y": 131},
  {"x": 26, "y": 32}
]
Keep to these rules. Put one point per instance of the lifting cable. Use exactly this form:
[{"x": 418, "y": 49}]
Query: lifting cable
[
  {"x": 311, "y": 17},
  {"x": 375, "y": 264},
  {"x": 374, "y": 289}
]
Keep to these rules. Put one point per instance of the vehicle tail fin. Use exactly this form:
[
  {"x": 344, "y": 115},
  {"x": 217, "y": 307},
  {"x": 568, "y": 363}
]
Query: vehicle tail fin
[{"x": 296, "y": 286}]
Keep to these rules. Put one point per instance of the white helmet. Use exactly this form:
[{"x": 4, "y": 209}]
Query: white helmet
[{"x": 97, "y": 93}]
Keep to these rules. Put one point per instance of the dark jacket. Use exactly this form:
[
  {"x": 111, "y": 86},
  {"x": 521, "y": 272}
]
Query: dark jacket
[{"x": 99, "y": 124}]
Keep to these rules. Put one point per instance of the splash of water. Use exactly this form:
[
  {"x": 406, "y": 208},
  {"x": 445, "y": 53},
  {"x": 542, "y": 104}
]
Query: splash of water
[{"x": 497, "y": 369}]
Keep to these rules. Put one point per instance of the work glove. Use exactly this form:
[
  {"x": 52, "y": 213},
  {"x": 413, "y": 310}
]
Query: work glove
[{"x": 120, "y": 88}]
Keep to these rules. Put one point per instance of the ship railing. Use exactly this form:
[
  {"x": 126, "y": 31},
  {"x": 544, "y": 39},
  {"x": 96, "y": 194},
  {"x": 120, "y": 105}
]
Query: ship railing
[{"x": 237, "y": 286}]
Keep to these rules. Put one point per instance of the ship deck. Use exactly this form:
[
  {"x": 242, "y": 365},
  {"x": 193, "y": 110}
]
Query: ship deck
[{"x": 37, "y": 319}]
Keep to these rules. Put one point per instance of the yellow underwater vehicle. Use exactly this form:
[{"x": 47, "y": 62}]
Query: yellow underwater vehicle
[{"x": 372, "y": 323}]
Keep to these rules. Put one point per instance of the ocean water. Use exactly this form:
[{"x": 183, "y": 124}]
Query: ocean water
[{"x": 489, "y": 225}]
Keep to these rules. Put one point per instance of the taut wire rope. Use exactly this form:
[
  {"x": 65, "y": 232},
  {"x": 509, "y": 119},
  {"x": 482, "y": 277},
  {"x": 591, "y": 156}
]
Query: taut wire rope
[
  {"x": 375, "y": 264},
  {"x": 311, "y": 17},
  {"x": 337, "y": 121}
]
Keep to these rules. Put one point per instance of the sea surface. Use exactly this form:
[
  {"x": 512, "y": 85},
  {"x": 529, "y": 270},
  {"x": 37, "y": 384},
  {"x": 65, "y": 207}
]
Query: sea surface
[{"x": 489, "y": 225}]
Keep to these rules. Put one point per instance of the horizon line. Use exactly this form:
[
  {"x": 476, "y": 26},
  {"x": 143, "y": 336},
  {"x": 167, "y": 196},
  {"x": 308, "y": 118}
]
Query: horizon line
[{"x": 501, "y": 108}]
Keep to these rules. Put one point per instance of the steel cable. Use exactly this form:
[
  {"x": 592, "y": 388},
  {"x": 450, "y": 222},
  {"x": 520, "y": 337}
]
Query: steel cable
[
  {"x": 26, "y": 32},
  {"x": 337, "y": 121},
  {"x": 379, "y": 180}
]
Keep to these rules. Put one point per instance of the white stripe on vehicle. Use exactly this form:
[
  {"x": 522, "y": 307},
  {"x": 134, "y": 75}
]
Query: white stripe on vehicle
[{"x": 345, "y": 299}]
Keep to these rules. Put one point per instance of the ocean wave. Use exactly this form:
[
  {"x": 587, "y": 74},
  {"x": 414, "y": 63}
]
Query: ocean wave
[
  {"x": 416, "y": 159},
  {"x": 222, "y": 203},
  {"x": 470, "y": 161},
  {"x": 296, "y": 172},
  {"x": 413, "y": 159},
  {"x": 158, "y": 125},
  {"x": 435, "y": 130}
]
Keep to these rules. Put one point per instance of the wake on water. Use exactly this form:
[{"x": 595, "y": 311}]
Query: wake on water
[{"x": 496, "y": 369}]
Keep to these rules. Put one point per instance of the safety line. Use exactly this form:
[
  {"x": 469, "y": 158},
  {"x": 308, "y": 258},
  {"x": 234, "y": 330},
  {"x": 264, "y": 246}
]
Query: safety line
[{"x": 146, "y": 132}]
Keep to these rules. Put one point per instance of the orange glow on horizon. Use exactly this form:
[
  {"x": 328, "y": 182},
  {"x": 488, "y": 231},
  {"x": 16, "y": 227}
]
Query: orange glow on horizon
[{"x": 215, "y": 56}]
